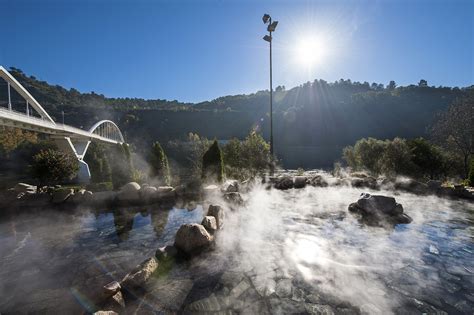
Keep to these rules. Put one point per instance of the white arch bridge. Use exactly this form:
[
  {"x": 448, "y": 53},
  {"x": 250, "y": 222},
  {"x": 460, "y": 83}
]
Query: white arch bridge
[{"x": 28, "y": 114}]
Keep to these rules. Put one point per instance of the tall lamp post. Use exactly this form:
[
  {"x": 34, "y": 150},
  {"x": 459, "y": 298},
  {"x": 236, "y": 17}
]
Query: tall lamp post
[{"x": 267, "y": 19}]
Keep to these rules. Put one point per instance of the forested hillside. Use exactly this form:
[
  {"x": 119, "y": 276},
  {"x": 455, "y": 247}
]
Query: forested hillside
[{"x": 313, "y": 121}]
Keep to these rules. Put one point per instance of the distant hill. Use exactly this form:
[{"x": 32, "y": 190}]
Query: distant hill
[{"x": 312, "y": 122}]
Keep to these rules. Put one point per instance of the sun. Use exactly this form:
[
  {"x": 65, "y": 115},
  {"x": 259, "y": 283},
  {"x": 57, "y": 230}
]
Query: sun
[{"x": 310, "y": 51}]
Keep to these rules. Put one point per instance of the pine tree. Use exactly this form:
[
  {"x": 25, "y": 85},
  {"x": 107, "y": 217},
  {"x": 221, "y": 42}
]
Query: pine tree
[
  {"x": 213, "y": 164},
  {"x": 159, "y": 164}
]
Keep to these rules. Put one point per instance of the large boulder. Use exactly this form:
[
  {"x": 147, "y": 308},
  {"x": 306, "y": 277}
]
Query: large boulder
[
  {"x": 217, "y": 212},
  {"x": 283, "y": 183},
  {"x": 140, "y": 274},
  {"x": 300, "y": 181},
  {"x": 59, "y": 196},
  {"x": 379, "y": 210},
  {"x": 210, "y": 223},
  {"x": 129, "y": 192},
  {"x": 366, "y": 182},
  {"x": 192, "y": 239}
]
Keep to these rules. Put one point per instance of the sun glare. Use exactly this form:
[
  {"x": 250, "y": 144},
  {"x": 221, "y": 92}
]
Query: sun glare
[{"x": 310, "y": 51}]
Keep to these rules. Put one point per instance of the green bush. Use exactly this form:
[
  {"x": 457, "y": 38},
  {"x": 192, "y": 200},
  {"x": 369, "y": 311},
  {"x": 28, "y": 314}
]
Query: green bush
[
  {"x": 51, "y": 167},
  {"x": 416, "y": 158},
  {"x": 104, "y": 186},
  {"x": 244, "y": 159},
  {"x": 471, "y": 173},
  {"x": 213, "y": 164},
  {"x": 159, "y": 164}
]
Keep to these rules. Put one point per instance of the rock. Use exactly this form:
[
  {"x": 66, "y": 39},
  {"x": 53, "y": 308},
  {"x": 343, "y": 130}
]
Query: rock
[
  {"x": 129, "y": 192},
  {"x": 59, "y": 196},
  {"x": 111, "y": 288},
  {"x": 105, "y": 313},
  {"x": 24, "y": 188},
  {"x": 165, "y": 189},
  {"x": 82, "y": 196},
  {"x": 104, "y": 197},
  {"x": 367, "y": 182},
  {"x": 283, "y": 288},
  {"x": 140, "y": 274},
  {"x": 166, "y": 192},
  {"x": 300, "y": 181},
  {"x": 376, "y": 210},
  {"x": 210, "y": 188},
  {"x": 230, "y": 186},
  {"x": 318, "y": 181},
  {"x": 234, "y": 197},
  {"x": 319, "y": 309},
  {"x": 209, "y": 222},
  {"x": 411, "y": 186},
  {"x": 283, "y": 183},
  {"x": 192, "y": 238},
  {"x": 218, "y": 213},
  {"x": 148, "y": 193}
]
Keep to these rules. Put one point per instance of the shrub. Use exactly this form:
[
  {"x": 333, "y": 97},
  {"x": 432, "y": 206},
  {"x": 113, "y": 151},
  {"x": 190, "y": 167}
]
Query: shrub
[
  {"x": 213, "y": 164},
  {"x": 53, "y": 167},
  {"x": 471, "y": 174},
  {"x": 244, "y": 159},
  {"x": 159, "y": 164},
  {"x": 416, "y": 158}
]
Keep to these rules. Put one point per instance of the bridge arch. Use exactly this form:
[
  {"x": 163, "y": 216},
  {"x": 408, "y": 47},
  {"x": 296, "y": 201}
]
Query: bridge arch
[{"x": 107, "y": 129}]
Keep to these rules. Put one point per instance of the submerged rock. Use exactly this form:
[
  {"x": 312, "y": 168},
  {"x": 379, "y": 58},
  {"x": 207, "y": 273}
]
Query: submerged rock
[
  {"x": 140, "y": 274},
  {"x": 192, "y": 238},
  {"x": 377, "y": 210}
]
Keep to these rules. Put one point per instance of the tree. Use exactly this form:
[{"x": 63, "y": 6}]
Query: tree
[
  {"x": 53, "y": 167},
  {"x": 98, "y": 163},
  {"x": 213, "y": 163},
  {"x": 159, "y": 164},
  {"x": 427, "y": 158},
  {"x": 391, "y": 85},
  {"x": 423, "y": 83},
  {"x": 454, "y": 128},
  {"x": 121, "y": 165}
]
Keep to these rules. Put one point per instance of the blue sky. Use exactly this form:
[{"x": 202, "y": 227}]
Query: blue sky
[{"x": 199, "y": 50}]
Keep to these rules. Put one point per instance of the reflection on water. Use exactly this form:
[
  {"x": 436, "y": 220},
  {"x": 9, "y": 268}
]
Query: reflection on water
[
  {"x": 296, "y": 251},
  {"x": 53, "y": 260}
]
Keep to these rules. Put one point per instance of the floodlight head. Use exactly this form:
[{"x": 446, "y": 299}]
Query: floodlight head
[
  {"x": 265, "y": 18},
  {"x": 267, "y": 38},
  {"x": 272, "y": 27}
]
